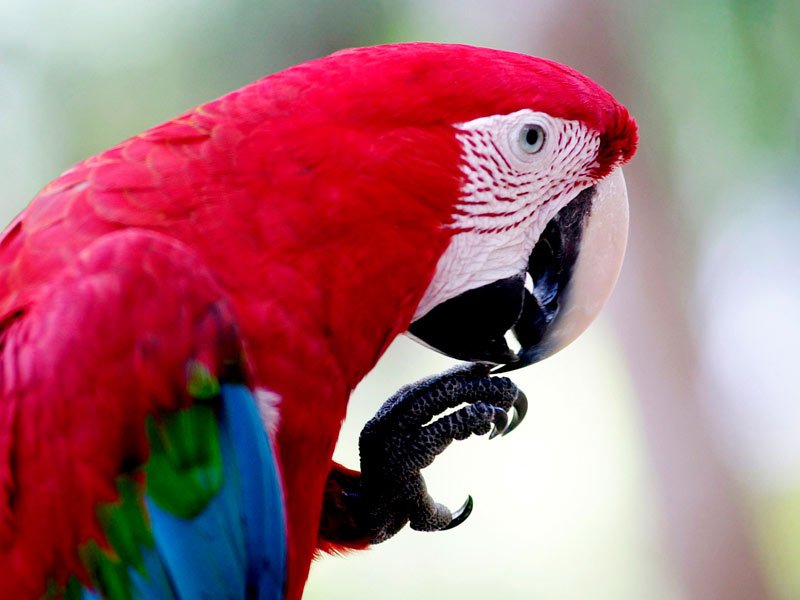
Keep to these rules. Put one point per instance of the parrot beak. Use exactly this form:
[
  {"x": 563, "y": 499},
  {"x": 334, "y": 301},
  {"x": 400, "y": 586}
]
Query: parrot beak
[{"x": 571, "y": 272}]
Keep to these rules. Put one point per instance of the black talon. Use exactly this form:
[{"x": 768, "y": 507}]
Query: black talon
[
  {"x": 460, "y": 515},
  {"x": 520, "y": 406},
  {"x": 500, "y": 423}
]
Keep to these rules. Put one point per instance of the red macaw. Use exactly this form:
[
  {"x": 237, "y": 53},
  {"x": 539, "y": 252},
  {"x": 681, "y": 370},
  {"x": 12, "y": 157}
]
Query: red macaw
[{"x": 184, "y": 316}]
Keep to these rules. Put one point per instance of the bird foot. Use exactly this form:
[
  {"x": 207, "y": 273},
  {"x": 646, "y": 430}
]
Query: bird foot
[{"x": 405, "y": 436}]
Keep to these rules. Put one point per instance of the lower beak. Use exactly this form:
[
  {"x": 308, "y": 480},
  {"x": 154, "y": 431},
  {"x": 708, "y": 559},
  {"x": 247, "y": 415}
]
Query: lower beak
[{"x": 571, "y": 273}]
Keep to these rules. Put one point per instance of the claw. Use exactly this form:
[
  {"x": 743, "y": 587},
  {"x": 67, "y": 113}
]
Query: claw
[
  {"x": 520, "y": 406},
  {"x": 460, "y": 515},
  {"x": 500, "y": 423}
]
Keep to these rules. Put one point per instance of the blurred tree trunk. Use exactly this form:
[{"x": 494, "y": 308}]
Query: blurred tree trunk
[{"x": 706, "y": 528}]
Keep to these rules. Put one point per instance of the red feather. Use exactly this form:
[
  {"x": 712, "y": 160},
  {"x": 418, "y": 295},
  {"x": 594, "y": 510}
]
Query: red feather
[
  {"x": 77, "y": 385},
  {"x": 318, "y": 198}
]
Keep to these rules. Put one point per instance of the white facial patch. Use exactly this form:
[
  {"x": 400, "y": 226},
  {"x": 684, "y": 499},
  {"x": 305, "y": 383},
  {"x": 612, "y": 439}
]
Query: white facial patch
[{"x": 511, "y": 190}]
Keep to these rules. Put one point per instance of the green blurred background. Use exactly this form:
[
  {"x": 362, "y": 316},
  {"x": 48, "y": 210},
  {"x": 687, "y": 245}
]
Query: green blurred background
[{"x": 661, "y": 456}]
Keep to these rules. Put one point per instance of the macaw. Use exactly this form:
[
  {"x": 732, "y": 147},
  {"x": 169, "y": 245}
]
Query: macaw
[{"x": 184, "y": 316}]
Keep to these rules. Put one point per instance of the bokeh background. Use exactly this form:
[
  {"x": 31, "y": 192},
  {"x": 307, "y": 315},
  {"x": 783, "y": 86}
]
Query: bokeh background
[{"x": 661, "y": 456}]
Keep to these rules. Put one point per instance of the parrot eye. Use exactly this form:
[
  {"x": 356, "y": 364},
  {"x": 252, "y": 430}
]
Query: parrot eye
[{"x": 531, "y": 138}]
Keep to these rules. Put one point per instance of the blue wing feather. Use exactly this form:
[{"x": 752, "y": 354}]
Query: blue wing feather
[
  {"x": 235, "y": 548},
  {"x": 261, "y": 486}
]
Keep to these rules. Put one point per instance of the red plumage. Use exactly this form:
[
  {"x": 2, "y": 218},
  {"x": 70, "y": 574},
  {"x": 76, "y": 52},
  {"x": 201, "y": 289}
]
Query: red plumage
[
  {"x": 66, "y": 360},
  {"x": 317, "y": 200}
]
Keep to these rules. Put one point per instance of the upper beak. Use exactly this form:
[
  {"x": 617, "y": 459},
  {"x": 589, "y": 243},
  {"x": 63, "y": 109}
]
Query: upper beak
[{"x": 571, "y": 272}]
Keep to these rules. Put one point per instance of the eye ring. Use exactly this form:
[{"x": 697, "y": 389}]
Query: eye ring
[{"x": 531, "y": 138}]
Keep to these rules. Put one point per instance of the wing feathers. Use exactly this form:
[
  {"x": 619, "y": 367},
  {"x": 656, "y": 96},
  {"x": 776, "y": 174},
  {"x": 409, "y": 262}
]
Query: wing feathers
[{"x": 136, "y": 472}]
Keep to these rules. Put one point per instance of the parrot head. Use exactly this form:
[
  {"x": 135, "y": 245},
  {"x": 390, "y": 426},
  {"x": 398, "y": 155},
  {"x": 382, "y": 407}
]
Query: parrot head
[
  {"x": 537, "y": 214},
  {"x": 492, "y": 178}
]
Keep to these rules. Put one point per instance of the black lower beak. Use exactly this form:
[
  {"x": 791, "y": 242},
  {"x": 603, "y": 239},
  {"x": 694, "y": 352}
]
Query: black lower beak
[{"x": 473, "y": 325}]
